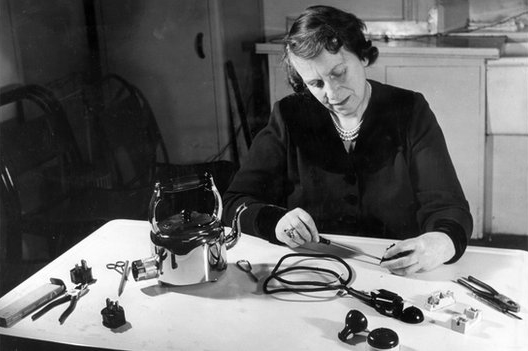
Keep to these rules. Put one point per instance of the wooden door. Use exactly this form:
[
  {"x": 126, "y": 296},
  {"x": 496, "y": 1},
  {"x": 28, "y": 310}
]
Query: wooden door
[{"x": 165, "y": 48}]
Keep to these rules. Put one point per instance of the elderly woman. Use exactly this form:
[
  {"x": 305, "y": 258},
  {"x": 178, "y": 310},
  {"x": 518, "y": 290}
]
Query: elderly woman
[{"x": 348, "y": 155}]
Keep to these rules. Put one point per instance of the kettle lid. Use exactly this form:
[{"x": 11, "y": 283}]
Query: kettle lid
[{"x": 186, "y": 224}]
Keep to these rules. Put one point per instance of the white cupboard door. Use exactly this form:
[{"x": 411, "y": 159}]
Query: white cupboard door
[{"x": 454, "y": 94}]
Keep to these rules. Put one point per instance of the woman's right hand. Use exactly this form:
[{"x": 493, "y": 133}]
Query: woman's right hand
[{"x": 296, "y": 228}]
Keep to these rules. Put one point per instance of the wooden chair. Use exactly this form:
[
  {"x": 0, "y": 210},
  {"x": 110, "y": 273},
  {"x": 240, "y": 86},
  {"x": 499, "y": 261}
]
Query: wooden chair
[
  {"x": 132, "y": 141},
  {"x": 46, "y": 189}
]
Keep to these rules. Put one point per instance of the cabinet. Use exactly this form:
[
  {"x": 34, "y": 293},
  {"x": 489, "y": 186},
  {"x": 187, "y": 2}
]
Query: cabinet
[
  {"x": 455, "y": 91},
  {"x": 452, "y": 79},
  {"x": 175, "y": 52},
  {"x": 507, "y": 146}
]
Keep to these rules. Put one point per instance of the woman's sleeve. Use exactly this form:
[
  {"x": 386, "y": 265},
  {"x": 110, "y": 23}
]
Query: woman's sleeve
[
  {"x": 442, "y": 204},
  {"x": 261, "y": 182}
]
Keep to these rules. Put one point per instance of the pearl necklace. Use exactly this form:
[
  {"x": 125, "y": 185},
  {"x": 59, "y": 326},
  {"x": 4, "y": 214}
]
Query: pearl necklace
[
  {"x": 346, "y": 135},
  {"x": 351, "y": 134}
]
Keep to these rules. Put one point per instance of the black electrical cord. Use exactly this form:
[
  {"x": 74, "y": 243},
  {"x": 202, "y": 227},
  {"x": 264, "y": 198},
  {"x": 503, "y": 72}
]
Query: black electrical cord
[
  {"x": 277, "y": 274},
  {"x": 340, "y": 283},
  {"x": 384, "y": 301}
]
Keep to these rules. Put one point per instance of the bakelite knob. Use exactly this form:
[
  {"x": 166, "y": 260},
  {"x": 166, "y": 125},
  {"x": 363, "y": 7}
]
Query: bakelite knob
[
  {"x": 383, "y": 339},
  {"x": 355, "y": 322},
  {"x": 412, "y": 315}
]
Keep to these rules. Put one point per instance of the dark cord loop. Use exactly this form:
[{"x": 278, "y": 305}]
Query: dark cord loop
[
  {"x": 309, "y": 285},
  {"x": 384, "y": 301}
]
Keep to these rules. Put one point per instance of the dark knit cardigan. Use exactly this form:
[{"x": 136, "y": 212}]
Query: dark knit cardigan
[{"x": 398, "y": 182}]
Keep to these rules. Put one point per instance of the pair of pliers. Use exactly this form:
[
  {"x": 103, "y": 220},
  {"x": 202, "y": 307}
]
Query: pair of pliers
[
  {"x": 72, "y": 296},
  {"x": 491, "y": 296}
]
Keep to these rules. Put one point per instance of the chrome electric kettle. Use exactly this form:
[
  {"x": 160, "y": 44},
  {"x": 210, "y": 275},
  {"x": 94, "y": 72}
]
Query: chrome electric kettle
[{"x": 189, "y": 244}]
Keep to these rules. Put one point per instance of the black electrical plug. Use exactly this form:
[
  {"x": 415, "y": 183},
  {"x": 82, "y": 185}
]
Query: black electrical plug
[
  {"x": 113, "y": 315},
  {"x": 82, "y": 274}
]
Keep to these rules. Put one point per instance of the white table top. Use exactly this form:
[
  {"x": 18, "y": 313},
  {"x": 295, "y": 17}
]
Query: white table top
[{"x": 234, "y": 314}]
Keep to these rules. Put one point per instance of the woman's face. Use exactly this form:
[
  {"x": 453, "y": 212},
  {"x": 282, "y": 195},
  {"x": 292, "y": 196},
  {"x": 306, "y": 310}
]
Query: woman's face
[{"x": 337, "y": 80}]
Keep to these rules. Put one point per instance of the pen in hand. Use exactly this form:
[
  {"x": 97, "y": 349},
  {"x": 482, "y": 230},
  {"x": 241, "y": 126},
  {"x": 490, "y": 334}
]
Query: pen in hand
[{"x": 398, "y": 255}]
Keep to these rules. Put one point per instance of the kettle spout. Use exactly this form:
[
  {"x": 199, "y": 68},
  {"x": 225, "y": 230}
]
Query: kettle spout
[{"x": 234, "y": 235}]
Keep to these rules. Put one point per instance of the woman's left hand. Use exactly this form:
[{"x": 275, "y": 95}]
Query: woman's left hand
[{"x": 423, "y": 253}]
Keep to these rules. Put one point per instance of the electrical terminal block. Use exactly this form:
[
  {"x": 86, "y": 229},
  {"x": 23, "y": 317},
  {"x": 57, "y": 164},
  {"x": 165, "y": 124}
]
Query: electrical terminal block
[
  {"x": 462, "y": 323},
  {"x": 438, "y": 300}
]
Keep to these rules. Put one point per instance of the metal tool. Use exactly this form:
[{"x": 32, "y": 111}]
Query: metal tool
[
  {"x": 491, "y": 296},
  {"x": 346, "y": 247},
  {"x": 245, "y": 266},
  {"x": 398, "y": 255},
  {"x": 72, "y": 296},
  {"x": 30, "y": 302},
  {"x": 123, "y": 268}
]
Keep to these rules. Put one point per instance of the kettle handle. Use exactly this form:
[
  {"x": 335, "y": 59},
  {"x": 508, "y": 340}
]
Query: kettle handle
[
  {"x": 154, "y": 201},
  {"x": 218, "y": 208},
  {"x": 156, "y": 198},
  {"x": 234, "y": 235}
]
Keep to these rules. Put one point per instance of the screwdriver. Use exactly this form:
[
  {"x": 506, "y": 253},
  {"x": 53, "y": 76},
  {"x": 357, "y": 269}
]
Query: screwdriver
[{"x": 349, "y": 248}]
